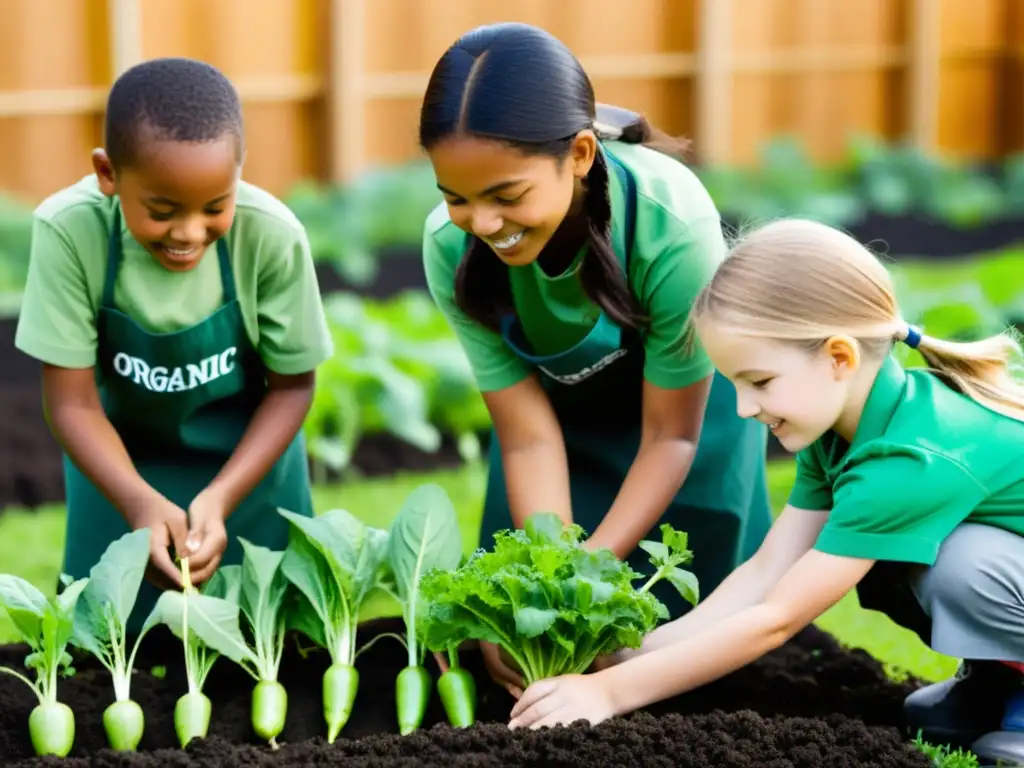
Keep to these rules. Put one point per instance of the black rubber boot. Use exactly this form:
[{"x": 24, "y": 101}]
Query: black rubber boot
[
  {"x": 1005, "y": 747},
  {"x": 967, "y": 706},
  {"x": 1000, "y": 748}
]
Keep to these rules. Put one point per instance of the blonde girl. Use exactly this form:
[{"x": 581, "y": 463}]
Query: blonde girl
[{"x": 909, "y": 489}]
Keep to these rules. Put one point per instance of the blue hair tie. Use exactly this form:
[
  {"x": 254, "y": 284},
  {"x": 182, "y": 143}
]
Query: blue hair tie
[{"x": 913, "y": 337}]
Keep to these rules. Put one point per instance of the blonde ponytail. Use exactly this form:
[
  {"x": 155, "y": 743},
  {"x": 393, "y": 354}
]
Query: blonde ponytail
[
  {"x": 982, "y": 370},
  {"x": 802, "y": 282}
]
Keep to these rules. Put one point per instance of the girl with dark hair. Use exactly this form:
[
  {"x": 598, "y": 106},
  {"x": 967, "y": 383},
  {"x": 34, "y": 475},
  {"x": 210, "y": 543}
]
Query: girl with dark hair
[{"x": 565, "y": 256}]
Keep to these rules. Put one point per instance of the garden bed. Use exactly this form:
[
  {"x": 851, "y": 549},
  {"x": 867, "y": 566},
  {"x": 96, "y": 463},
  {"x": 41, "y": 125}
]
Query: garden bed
[
  {"x": 30, "y": 459},
  {"x": 809, "y": 703}
]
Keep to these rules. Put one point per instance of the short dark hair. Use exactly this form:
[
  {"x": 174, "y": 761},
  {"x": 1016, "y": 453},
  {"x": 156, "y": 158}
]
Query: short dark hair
[
  {"x": 178, "y": 99},
  {"x": 520, "y": 85}
]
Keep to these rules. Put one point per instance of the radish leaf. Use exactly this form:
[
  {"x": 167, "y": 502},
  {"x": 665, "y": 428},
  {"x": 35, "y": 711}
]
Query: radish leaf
[{"x": 423, "y": 536}]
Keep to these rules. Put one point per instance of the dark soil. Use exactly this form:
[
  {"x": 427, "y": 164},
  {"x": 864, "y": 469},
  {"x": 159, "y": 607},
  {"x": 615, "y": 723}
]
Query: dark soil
[
  {"x": 917, "y": 235},
  {"x": 401, "y": 269},
  {"x": 30, "y": 459},
  {"x": 809, "y": 703}
]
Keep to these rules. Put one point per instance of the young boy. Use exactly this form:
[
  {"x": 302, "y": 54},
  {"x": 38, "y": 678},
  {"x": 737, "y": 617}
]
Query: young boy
[{"x": 176, "y": 314}]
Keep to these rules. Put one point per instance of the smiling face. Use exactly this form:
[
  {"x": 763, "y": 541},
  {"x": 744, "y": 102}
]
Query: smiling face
[
  {"x": 177, "y": 198},
  {"x": 513, "y": 201},
  {"x": 799, "y": 394}
]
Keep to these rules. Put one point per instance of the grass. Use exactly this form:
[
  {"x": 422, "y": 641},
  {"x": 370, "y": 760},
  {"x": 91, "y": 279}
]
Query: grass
[{"x": 31, "y": 546}]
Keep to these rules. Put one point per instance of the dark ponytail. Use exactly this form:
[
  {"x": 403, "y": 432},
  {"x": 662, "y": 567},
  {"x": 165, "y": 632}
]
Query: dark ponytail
[{"x": 520, "y": 85}]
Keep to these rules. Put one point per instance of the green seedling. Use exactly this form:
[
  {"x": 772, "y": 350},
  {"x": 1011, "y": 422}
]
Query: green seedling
[
  {"x": 254, "y": 591},
  {"x": 335, "y": 562},
  {"x": 101, "y": 621},
  {"x": 423, "y": 536},
  {"x": 46, "y": 626},
  {"x": 193, "y": 709}
]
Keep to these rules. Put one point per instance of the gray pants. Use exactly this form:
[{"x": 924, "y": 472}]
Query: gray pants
[
  {"x": 974, "y": 594},
  {"x": 968, "y": 605}
]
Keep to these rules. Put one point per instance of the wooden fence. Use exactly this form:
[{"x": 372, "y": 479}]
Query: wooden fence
[{"x": 332, "y": 87}]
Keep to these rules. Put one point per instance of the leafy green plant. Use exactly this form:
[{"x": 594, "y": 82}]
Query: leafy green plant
[
  {"x": 335, "y": 562},
  {"x": 398, "y": 369},
  {"x": 902, "y": 179},
  {"x": 193, "y": 709},
  {"x": 551, "y": 604},
  {"x": 46, "y": 626},
  {"x": 895, "y": 180},
  {"x": 424, "y": 536},
  {"x": 945, "y": 756},
  {"x": 256, "y": 591},
  {"x": 348, "y": 223},
  {"x": 101, "y": 628},
  {"x": 15, "y": 245}
]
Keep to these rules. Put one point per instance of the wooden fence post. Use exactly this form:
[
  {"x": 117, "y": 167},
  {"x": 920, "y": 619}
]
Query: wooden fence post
[
  {"x": 125, "y": 35},
  {"x": 922, "y": 89},
  {"x": 714, "y": 81},
  {"x": 346, "y": 97}
]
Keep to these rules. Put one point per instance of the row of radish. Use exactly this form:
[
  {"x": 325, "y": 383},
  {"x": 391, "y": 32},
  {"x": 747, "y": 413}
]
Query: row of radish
[{"x": 551, "y": 604}]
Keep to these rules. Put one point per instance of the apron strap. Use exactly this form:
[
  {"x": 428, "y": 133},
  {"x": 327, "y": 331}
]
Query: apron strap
[
  {"x": 113, "y": 258},
  {"x": 114, "y": 255},
  {"x": 227, "y": 275},
  {"x": 625, "y": 249}
]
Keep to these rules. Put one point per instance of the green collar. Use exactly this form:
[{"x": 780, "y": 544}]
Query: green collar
[{"x": 885, "y": 395}]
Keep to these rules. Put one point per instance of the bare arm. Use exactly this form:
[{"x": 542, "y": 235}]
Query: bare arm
[
  {"x": 76, "y": 417},
  {"x": 273, "y": 427},
  {"x": 789, "y": 539},
  {"x": 815, "y": 583},
  {"x": 672, "y": 420},
  {"x": 532, "y": 450},
  {"x": 78, "y": 422}
]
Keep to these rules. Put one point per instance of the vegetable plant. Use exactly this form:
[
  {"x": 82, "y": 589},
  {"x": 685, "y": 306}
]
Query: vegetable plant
[
  {"x": 457, "y": 690},
  {"x": 101, "y": 628},
  {"x": 257, "y": 591},
  {"x": 423, "y": 536},
  {"x": 193, "y": 709},
  {"x": 551, "y": 604},
  {"x": 335, "y": 562},
  {"x": 46, "y": 626}
]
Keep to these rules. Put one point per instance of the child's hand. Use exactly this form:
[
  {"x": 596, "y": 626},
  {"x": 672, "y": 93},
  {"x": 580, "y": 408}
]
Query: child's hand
[
  {"x": 502, "y": 669},
  {"x": 563, "y": 700},
  {"x": 168, "y": 524},
  {"x": 207, "y": 536},
  {"x": 605, "y": 661}
]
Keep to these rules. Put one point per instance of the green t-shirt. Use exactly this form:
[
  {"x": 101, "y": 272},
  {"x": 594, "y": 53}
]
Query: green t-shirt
[
  {"x": 270, "y": 255},
  {"x": 677, "y": 247},
  {"x": 925, "y": 459}
]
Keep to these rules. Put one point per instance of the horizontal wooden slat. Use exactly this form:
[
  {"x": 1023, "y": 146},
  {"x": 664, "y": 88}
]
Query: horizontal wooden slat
[
  {"x": 824, "y": 60},
  {"x": 401, "y": 85},
  {"x": 70, "y": 101},
  {"x": 344, "y": 84},
  {"x": 286, "y": 88}
]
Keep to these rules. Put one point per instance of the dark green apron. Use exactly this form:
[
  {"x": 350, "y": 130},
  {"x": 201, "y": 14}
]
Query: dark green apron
[
  {"x": 596, "y": 389},
  {"x": 180, "y": 402}
]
